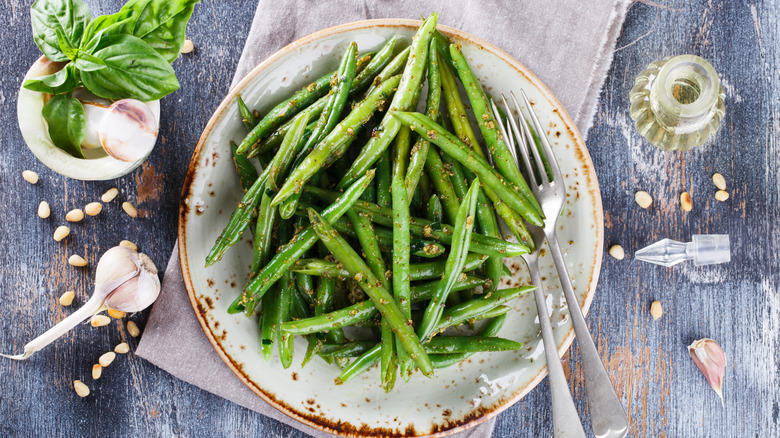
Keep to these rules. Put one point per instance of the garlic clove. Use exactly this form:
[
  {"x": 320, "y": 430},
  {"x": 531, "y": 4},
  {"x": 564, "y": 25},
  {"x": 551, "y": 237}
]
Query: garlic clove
[
  {"x": 711, "y": 361},
  {"x": 128, "y": 130},
  {"x": 136, "y": 294},
  {"x": 94, "y": 112}
]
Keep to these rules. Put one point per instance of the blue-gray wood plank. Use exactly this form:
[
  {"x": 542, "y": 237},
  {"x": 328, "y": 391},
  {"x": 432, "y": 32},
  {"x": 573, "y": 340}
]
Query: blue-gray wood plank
[{"x": 737, "y": 304}]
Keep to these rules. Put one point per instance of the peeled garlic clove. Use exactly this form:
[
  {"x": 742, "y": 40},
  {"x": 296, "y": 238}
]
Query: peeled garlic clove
[
  {"x": 93, "y": 116},
  {"x": 711, "y": 361},
  {"x": 128, "y": 130}
]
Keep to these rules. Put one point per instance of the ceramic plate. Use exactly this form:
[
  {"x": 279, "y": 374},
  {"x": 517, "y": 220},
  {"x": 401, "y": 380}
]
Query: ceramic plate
[{"x": 455, "y": 398}]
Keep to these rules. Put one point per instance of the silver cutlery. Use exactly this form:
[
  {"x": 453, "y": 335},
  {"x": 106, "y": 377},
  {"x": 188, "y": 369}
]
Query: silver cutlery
[{"x": 608, "y": 417}]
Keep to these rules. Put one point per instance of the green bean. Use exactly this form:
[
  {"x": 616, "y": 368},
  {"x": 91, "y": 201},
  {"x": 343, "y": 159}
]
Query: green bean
[
  {"x": 314, "y": 110},
  {"x": 285, "y": 110},
  {"x": 486, "y": 219},
  {"x": 394, "y": 67},
  {"x": 402, "y": 101},
  {"x": 287, "y": 151},
  {"x": 441, "y": 181},
  {"x": 469, "y": 344},
  {"x": 426, "y": 249},
  {"x": 368, "y": 242},
  {"x": 464, "y": 223},
  {"x": 247, "y": 174},
  {"x": 489, "y": 128},
  {"x": 335, "y": 143},
  {"x": 435, "y": 209},
  {"x": 478, "y": 306},
  {"x": 364, "y": 310},
  {"x": 286, "y": 291},
  {"x": 459, "y": 151},
  {"x": 373, "y": 288},
  {"x": 373, "y": 68},
  {"x": 268, "y": 329},
  {"x": 274, "y": 139},
  {"x": 384, "y": 176},
  {"x": 417, "y": 271},
  {"x": 420, "y": 227},
  {"x": 305, "y": 284},
  {"x": 246, "y": 114},
  {"x": 369, "y": 358},
  {"x": 401, "y": 239},
  {"x": 246, "y": 210},
  {"x": 263, "y": 231},
  {"x": 349, "y": 349},
  {"x": 491, "y": 329},
  {"x": 337, "y": 98},
  {"x": 293, "y": 250},
  {"x": 432, "y": 103}
]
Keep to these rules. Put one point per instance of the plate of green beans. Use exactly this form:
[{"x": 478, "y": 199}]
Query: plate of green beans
[{"x": 350, "y": 252}]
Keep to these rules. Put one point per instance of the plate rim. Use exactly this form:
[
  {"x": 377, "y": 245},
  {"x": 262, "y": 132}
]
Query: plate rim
[{"x": 184, "y": 209}]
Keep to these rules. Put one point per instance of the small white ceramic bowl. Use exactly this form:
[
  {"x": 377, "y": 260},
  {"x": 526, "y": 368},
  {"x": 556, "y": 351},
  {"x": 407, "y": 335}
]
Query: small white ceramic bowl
[{"x": 97, "y": 166}]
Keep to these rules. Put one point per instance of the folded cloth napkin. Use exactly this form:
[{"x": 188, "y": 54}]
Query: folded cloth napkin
[{"x": 567, "y": 44}]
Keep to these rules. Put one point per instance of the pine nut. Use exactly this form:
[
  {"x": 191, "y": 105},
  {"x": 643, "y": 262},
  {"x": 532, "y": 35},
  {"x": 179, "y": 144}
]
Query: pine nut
[
  {"x": 187, "y": 47},
  {"x": 719, "y": 181},
  {"x": 617, "y": 252},
  {"x": 106, "y": 359},
  {"x": 93, "y": 208},
  {"x": 122, "y": 348},
  {"x": 77, "y": 260},
  {"x": 116, "y": 314},
  {"x": 61, "y": 232},
  {"x": 99, "y": 320},
  {"x": 67, "y": 298},
  {"x": 133, "y": 329},
  {"x": 30, "y": 176},
  {"x": 686, "y": 202},
  {"x": 44, "y": 210},
  {"x": 81, "y": 389},
  {"x": 129, "y": 244},
  {"x": 721, "y": 195},
  {"x": 129, "y": 209},
  {"x": 97, "y": 371},
  {"x": 656, "y": 310},
  {"x": 643, "y": 199},
  {"x": 109, "y": 195},
  {"x": 75, "y": 215}
]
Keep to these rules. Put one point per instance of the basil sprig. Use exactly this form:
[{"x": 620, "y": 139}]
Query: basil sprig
[{"x": 118, "y": 56}]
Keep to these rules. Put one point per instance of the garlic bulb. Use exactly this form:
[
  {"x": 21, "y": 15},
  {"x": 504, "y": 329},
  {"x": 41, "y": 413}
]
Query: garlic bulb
[
  {"x": 124, "y": 280},
  {"x": 128, "y": 130}
]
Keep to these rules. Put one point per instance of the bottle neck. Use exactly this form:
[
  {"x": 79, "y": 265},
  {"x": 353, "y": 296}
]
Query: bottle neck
[{"x": 684, "y": 93}]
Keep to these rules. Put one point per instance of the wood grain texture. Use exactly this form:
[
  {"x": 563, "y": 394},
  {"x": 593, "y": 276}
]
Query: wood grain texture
[{"x": 737, "y": 304}]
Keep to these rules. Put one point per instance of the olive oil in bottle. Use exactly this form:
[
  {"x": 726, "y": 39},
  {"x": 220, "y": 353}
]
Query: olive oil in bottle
[{"x": 677, "y": 102}]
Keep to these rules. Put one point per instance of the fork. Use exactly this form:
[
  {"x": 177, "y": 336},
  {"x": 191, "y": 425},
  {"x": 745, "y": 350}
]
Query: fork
[{"x": 608, "y": 417}]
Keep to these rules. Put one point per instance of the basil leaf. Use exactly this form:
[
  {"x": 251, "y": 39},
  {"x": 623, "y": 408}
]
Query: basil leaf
[
  {"x": 48, "y": 16},
  {"x": 62, "y": 82},
  {"x": 101, "y": 26},
  {"x": 132, "y": 70},
  {"x": 160, "y": 23},
  {"x": 87, "y": 62},
  {"x": 67, "y": 124}
]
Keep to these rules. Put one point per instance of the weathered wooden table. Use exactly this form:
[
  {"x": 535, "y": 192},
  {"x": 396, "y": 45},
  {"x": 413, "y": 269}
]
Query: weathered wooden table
[{"x": 737, "y": 304}]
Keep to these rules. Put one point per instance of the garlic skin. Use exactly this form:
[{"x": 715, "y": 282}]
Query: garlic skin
[
  {"x": 124, "y": 280},
  {"x": 128, "y": 130},
  {"x": 711, "y": 361}
]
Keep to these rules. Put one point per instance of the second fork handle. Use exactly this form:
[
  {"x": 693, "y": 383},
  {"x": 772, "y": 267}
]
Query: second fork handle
[
  {"x": 566, "y": 421},
  {"x": 607, "y": 416}
]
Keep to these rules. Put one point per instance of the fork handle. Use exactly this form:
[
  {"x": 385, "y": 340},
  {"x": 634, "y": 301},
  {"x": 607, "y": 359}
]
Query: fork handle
[
  {"x": 607, "y": 416},
  {"x": 566, "y": 421}
]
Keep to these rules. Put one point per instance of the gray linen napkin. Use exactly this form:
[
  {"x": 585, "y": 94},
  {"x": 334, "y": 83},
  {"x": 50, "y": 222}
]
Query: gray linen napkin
[{"x": 568, "y": 44}]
